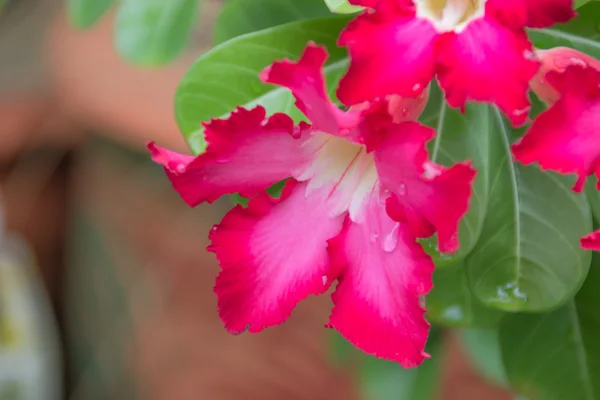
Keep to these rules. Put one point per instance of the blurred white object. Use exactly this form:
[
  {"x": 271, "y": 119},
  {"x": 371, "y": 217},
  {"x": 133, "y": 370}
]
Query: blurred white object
[{"x": 30, "y": 365}]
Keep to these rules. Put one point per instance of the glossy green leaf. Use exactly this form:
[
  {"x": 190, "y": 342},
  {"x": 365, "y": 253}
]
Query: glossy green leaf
[
  {"x": 85, "y": 13},
  {"x": 154, "y": 32},
  {"x": 383, "y": 380},
  {"x": 239, "y": 17},
  {"x": 342, "y": 6},
  {"x": 582, "y": 33},
  {"x": 227, "y": 76},
  {"x": 556, "y": 356},
  {"x": 451, "y": 302},
  {"x": 460, "y": 137},
  {"x": 483, "y": 349},
  {"x": 528, "y": 257},
  {"x": 579, "y": 3}
]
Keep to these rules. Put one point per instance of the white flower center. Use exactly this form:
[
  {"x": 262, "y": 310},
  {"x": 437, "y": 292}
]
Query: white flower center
[
  {"x": 450, "y": 15},
  {"x": 342, "y": 168}
]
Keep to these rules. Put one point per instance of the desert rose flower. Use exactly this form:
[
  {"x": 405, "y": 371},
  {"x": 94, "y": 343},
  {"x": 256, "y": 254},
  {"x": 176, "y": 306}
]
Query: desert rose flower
[
  {"x": 360, "y": 191},
  {"x": 478, "y": 50}
]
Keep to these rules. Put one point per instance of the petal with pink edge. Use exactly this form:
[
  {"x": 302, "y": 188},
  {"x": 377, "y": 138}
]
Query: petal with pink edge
[
  {"x": 490, "y": 63},
  {"x": 306, "y": 81},
  {"x": 391, "y": 52},
  {"x": 428, "y": 197},
  {"x": 272, "y": 255},
  {"x": 384, "y": 274},
  {"x": 557, "y": 59},
  {"x": 531, "y": 13},
  {"x": 566, "y": 137},
  {"x": 246, "y": 153},
  {"x": 591, "y": 241}
]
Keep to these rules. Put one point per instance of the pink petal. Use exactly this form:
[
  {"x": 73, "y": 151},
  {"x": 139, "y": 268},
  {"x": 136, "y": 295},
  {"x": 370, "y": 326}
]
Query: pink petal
[
  {"x": 566, "y": 137},
  {"x": 429, "y": 197},
  {"x": 384, "y": 274},
  {"x": 490, "y": 63},
  {"x": 557, "y": 59},
  {"x": 391, "y": 52},
  {"x": 401, "y": 108},
  {"x": 531, "y": 13},
  {"x": 246, "y": 153},
  {"x": 591, "y": 241},
  {"x": 306, "y": 81},
  {"x": 272, "y": 254},
  {"x": 363, "y": 3}
]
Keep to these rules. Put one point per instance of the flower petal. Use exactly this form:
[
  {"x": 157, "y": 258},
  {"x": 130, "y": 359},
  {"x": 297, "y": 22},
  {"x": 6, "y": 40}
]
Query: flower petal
[
  {"x": 429, "y": 197},
  {"x": 487, "y": 62},
  {"x": 591, "y": 241},
  {"x": 400, "y": 108},
  {"x": 557, "y": 59},
  {"x": 518, "y": 14},
  {"x": 272, "y": 254},
  {"x": 384, "y": 273},
  {"x": 306, "y": 81},
  {"x": 566, "y": 137},
  {"x": 391, "y": 52},
  {"x": 246, "y": 153}
]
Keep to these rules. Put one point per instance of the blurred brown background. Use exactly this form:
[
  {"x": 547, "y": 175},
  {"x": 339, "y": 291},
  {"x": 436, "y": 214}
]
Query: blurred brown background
[{"x": 123, "y": 259}]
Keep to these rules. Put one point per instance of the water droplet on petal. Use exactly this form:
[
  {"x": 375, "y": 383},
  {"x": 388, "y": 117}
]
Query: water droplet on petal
[
  {"x": 391, "y": 240},
  {"x": 405, "y": 112},
  {"x": 529, "y": 55},
  {"x": 416, "y": 87},
  {"x": 180, "y": 168},
  {"x": 324, "y": 278},
  {"x": 373, "y": 238},
  {"x": 402, "y": 189}
]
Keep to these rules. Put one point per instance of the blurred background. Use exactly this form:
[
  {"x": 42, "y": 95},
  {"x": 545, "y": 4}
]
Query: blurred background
[{"x": 105, "y": 284}]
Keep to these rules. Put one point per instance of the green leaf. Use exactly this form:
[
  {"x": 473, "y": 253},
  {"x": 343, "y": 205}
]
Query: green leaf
[
  {"x": 579, "y": 3},
  {"x": 239, "y": 17},
  {"x": 528, "y": 257},
  {"x": 342, "y": 7},
  {"x": 460, "y": 137},
  {"x": 483, "y": 349},
  {"x": 451, "y": 302},
  {"x": 383, "y": 380},
  {"x": 581, "y": 33},
  {"x": 555, "y": 356},
  {"x": 154, "y": 32},
  {"x": 85, "y": 13},
  {"x": 227, "y": 76}
]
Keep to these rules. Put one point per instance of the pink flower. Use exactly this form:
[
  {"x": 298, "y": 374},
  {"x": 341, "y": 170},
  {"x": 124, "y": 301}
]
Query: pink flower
[
  {"x": 566, "y": 137},
  {"x": 591, "y": 241},
  {"x": 478, "y": 49},
  {"x": 331, "y": 221},
  {"x": 557, "y": 59}
]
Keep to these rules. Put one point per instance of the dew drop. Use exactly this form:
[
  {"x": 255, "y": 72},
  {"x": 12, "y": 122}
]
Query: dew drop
[
  {"x": 373, "y": 238},
  {"x": 416, "y": 87},
  {"x": 405, "y": 112},
  {"x": 324, "y": 278},
  {"x": 391, "y": 240},
  {"x": 529, "y": 55},
  {"x": 402, "y": 189},
  {"x": 180, "y": 168}
]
